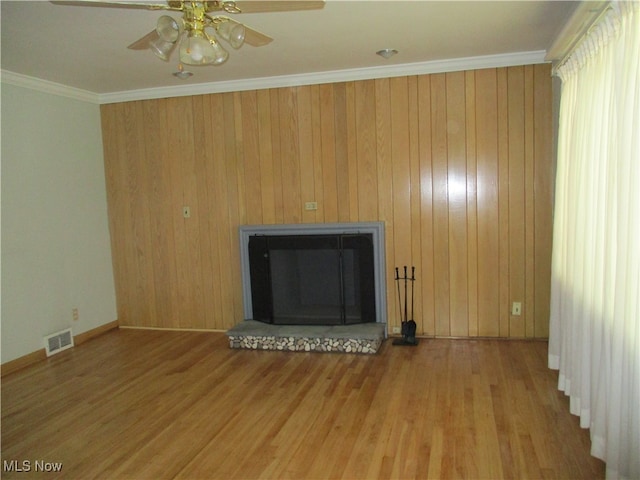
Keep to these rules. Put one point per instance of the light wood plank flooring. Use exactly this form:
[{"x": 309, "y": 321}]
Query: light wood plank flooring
[{"x": 159, "y": 405}]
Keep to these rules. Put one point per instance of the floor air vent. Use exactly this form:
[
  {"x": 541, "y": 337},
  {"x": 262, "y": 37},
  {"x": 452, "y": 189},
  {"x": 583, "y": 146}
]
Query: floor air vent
[{"x": 58, "y": 342}]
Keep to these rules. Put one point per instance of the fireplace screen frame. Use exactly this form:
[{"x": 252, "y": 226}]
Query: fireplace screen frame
[{"x": 376, "y": 229}]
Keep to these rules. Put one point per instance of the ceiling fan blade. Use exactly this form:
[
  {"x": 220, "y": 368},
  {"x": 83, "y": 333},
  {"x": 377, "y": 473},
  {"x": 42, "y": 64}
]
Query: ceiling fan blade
[
  {"x": 256, "y": 38},
  {"x": 100, "y": 3},
  {"x": 143, "y": 43},
  {"x": 259, "y": 6}
]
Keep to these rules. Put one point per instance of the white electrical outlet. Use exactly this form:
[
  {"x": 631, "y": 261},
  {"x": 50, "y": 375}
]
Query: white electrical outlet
[
  {"x": 186, "y": 212},
  {"x": 311, "y": 206},
  {"x": 395, "y": 330},
  {"x": 75, "y": 314},
  {"x": 516, "y": 308}
]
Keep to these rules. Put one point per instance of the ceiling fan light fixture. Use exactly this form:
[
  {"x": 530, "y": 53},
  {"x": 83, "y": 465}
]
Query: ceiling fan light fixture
[
  {"x": 231, "y": 31},
  {"x": 196, "y": 47}
]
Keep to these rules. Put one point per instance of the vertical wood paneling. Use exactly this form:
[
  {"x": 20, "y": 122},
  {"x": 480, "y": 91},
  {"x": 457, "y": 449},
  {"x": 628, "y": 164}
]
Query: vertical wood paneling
[
  {"x": 155, "y": 187},
  {"x": 415, "y": 197},
  {"x": 472, "y": 204},
  {"x": 251, "y": 171},
  {"x": 207, "y": 167},
  {"x": 290, "y": 156},
  {"x": 543, "y": 195},
  {"x": 234, "y": 101},
  {"x": 328, "y": 151},
  {"x": 350, "y": 209},
  {"x": 193, "y": 260},
  {"x": 236, "y": 136},
  {"x": 487, "y": 203},
  {"x": 457, "y": 165},
  {"x": 439, "y": 156},
  {"x": 221, "y": 209},
  {"x": 276, "y": 155},
  {"x": 316, "y": 135},
  {"x": 385, "y": 180},
  {"x": 117, "y": 201},
  {"x": 503, "y": 200},
  {"x": 426, "y": 283},
  {"x": 203, "y": 238},
  {"x": 265, "y": 149},
  {"x": 457, "y": 203},
  {"x": 141, "y": 217},
  {"x": 366, "y": 176},
  {"x": 517, "y": 146},
  {"x": 138, "y": 182},
  {"x": 344, "y": 130},
  {"x": 529, "y": 202},
  {"x": 231, "y": 274},
  {"x": 127, "y": 226},
  {"x": 181, "y": 145},
  {"x": 400, "y": 171},
  {"x": 305, "y": 149}
]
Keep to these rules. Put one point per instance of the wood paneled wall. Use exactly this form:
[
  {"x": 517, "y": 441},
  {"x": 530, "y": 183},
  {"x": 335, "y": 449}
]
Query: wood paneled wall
[{"x": 459, "y": 167}]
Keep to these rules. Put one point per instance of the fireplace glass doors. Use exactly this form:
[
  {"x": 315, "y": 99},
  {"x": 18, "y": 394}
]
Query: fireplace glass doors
[{"x": 312, "y": 279}]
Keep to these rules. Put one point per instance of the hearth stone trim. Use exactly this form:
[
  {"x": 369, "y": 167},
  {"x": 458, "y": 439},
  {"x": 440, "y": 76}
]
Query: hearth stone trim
[
  {"x": 293, "y": 344},
  {"x": 376, "y": 229},
  {"x": 355, "y": 338}
]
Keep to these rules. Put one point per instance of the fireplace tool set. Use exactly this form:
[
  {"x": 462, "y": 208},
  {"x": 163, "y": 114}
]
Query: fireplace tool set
[{"x": 408, "y": 329}]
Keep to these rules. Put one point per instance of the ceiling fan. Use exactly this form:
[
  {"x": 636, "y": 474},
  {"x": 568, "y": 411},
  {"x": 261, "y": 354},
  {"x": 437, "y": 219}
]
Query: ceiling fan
[{"x": 202, "y": 25}]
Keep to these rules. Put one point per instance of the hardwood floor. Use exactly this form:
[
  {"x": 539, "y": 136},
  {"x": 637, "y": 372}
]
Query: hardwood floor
[{"x": 152, "y": 404}]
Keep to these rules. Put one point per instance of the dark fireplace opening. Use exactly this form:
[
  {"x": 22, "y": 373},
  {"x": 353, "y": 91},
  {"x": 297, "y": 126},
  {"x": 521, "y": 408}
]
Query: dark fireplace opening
[{"x": 312, "y": 279}]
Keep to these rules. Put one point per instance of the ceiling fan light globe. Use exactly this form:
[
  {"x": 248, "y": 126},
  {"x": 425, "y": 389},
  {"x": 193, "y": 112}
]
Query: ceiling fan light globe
[
  {"x": 233, "y": 32},
  {"x": 168, "y": 29},
  {"x": 221, "y": 55},
  {"x": 197, "y": 50},
  {"x": 162, "y": 49}
]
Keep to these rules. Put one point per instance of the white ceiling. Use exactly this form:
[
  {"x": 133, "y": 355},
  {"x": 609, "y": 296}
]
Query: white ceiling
[{"x": 85, "y": 47}]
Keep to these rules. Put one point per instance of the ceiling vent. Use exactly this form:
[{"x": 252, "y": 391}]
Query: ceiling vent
[{"x": 58, "y": 342}]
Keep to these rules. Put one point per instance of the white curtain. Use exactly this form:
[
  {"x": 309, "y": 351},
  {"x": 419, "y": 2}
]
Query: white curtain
[{"x": 594, "y": 338}]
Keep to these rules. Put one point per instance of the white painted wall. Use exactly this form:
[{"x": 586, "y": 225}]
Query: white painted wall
[{"x": 56, "y": 252}]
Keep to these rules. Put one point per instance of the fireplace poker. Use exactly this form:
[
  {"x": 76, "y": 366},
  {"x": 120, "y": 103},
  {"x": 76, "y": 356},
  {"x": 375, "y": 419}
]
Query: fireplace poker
[
  {"x": 404, "y": 322},
  {"x": 399, "y": 300},
  {"x": 413, "y": 280}
]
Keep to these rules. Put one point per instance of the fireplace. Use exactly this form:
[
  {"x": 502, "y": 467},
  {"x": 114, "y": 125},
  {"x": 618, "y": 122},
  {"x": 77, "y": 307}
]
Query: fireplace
[
  {"x": 312, "y": 279},
  {"x": 314, "y": 274}
]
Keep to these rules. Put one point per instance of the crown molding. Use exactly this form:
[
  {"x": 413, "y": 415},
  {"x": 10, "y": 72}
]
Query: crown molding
[
  {"x": 46, "y": 86},
  {"x": 421, "y": 68},
  {"x": 582, "y": 19}
]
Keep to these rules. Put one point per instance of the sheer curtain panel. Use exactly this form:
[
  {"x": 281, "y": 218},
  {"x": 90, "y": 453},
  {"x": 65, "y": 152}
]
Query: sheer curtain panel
[{"x": 594, "y": 339}]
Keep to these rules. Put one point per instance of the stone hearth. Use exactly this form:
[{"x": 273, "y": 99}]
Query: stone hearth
[{"x": 360, "y": 338}]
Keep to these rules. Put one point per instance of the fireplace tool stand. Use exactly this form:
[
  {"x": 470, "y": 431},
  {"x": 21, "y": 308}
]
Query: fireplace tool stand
[{"x": 408, "y": 329}]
